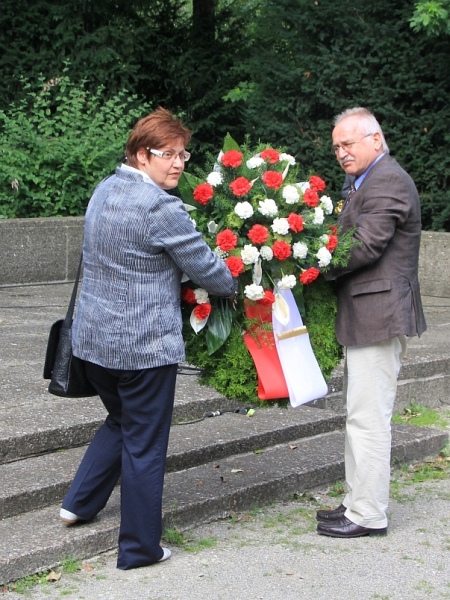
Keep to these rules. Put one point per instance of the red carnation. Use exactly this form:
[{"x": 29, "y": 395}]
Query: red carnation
[
  {"x": 203, "y": 193},
  {"x": 281, "y": 250},
  {"x": 311, "y": 198},
  {"x": 232, "y": 158},
  {"x": 236, "y": 265},
  {"x": 332, "y": 243},
  {"x": 226, "y": 240},
  {"x": 334, "y": 229},
  {"x": 240, "y": 186},
  {"x": 188, "y": 295},
  {"x": 272, "y": 156},
  {"x": 258, "y": 234},
  {"x": 317, "y": 183},
  {"x": 201, "y": 311},
  {"x": 309, "y": 275},
  {"x": 295, "y": 222},
  {"x": 273, "y": 179},
  {"x": 268, "y": 300}
]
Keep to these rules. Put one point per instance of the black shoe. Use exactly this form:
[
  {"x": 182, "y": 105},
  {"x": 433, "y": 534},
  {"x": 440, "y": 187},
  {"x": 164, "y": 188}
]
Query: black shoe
[
  {"x": 344, "y": 528},
  {"x": 331, "y": 515}
]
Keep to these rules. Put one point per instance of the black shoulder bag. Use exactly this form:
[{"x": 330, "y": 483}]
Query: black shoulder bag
[{"x": 66, "y": 372}]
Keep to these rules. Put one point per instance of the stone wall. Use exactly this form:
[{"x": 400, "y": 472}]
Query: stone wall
[
  {"x": 434, "y": 264},
  {"x": 48, "y": 250},
  {"x": 40, "y": 250}
]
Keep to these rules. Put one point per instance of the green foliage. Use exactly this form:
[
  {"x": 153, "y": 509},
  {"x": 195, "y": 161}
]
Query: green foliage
[
  {"x": 230, "y": 370},
  {"x": 320, "y": 314},
  {"x": 57, "y": 143},
  {"x": 278, "y": 70},
  {"x": 124, "y": 44},
  {"x": 310, "y": 60},
  {"x": 432, "y": 17}
]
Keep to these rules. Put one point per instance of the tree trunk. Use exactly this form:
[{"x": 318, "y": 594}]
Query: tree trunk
[{"x": 203, "y": 21}]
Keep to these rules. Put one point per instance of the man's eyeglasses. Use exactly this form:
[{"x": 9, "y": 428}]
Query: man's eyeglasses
[
  {"x": 170, "y": 155},
  {"x": 346, "y": 146}
]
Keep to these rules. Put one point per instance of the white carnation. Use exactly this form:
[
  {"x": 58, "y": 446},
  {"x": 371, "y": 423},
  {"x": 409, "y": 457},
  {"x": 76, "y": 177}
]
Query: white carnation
[
  {"x": 268, "y": 207},
  {"x": 327, "y": 204},
  {"x": 254, "y": 292},
  {"x": 201, "y": 296},
  {"x": 244, "y": 210},
  {"x": 290, "y": 159},
  {"x": 324, "y": 239},
  {"x": 291, "y": 194},
  {"x": 299, "y": 250},
  {"x": 254, "y": 162},
  {"x": 324, "y": 257},
  {"x": 318, "y": 216},
  {"x": 249, "y": 254},
  {"x": 266, "y": 253},
  {"x": 214, "y": 178},
  {"x": 287, "y": 282},
  {"x": 280, "y": 226},
  {"x": 193, "y": 221}
]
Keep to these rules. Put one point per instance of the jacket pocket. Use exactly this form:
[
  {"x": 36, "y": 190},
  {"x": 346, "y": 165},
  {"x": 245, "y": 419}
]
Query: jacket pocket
[{"x": 371, "y": 287}]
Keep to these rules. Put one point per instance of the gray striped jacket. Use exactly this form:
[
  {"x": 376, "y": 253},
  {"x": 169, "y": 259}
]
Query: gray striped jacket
[{"x": 138, "y": 241}]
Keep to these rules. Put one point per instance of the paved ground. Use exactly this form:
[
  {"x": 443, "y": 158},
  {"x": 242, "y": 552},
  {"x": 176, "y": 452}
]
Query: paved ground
[{"x": 276, "y": 554}]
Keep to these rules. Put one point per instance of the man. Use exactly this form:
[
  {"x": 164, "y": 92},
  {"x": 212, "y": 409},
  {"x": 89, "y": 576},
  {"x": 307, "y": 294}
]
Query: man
[{"x": 379, "y": 306}]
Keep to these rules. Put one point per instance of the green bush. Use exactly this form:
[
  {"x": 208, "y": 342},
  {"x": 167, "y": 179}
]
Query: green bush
[{"x": 57, "y": 143}]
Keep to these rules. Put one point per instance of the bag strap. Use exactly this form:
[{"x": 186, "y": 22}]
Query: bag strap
[{"x": 69, "y": 315}]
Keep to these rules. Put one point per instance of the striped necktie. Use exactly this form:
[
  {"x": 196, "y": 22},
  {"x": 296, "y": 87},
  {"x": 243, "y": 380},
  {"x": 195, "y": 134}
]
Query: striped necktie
[{"x": 350, "y": 193}]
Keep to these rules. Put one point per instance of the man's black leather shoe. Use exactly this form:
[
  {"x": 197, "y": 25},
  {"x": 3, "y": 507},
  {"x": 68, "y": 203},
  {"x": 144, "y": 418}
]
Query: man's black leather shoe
[
  {"x": 344, "y": 528},
  {"x": 331, "y": 515}
]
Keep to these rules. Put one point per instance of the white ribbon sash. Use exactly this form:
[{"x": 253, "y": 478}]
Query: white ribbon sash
[{"x": 301, "y": 370}]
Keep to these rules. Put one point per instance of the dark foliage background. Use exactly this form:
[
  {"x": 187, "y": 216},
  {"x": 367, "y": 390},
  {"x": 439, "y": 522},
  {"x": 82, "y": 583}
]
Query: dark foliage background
[{"x": 276, "y": 70}]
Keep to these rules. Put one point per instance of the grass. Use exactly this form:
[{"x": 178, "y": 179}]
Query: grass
[
  {"x": 423, "y": 416},
  {"x": 176, "y": 538},
  {"x": 21, "y": 586}
]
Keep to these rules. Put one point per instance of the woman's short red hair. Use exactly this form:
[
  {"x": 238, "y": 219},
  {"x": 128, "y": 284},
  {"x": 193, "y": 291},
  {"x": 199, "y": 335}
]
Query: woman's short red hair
[{"x": 155, "y": 130}]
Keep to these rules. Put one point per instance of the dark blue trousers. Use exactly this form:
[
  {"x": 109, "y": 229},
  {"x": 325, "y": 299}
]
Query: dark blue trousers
[{"x": 131, "y": 444}]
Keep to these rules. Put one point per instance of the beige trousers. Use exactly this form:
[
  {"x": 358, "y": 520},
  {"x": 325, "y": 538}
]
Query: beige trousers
[{"x": 370, "y": 386}]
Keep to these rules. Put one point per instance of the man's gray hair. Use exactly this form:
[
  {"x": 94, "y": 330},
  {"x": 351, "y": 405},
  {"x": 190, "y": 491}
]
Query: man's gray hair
[{"x": 368, "y": 122}]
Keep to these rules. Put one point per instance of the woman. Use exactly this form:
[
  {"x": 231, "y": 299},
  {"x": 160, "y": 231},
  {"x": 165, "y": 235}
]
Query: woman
[{"x": 138, "y": 242}]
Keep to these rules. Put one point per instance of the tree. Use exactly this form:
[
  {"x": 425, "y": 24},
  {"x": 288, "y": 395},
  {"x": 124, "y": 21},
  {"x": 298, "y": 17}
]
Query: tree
[{"x": 312, "y": 59}]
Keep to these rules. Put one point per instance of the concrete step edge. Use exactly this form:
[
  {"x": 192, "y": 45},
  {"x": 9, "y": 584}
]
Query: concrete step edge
[
  {"x": 36, "y": 482},
  {"x": 62, "y": 423}
]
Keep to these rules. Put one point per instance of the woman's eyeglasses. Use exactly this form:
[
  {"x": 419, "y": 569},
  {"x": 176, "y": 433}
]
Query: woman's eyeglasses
[{"x": 170, "y": 154}]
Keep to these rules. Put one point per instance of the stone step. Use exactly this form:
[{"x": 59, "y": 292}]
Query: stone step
[
  {"x": 55, "y": 423},
  {"x": 45, "y": 423},
  {"x": 34, "y": 541},
  {"x": 39, "y": 481}
]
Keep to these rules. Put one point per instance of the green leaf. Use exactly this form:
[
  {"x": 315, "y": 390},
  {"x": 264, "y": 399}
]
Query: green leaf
[
  {"x": 230, "y": 144},
  {"x": 219, "y": 326}
]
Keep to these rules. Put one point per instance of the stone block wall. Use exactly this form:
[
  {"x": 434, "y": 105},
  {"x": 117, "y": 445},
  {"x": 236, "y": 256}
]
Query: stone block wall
[{"x": 48, "y": 250}]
